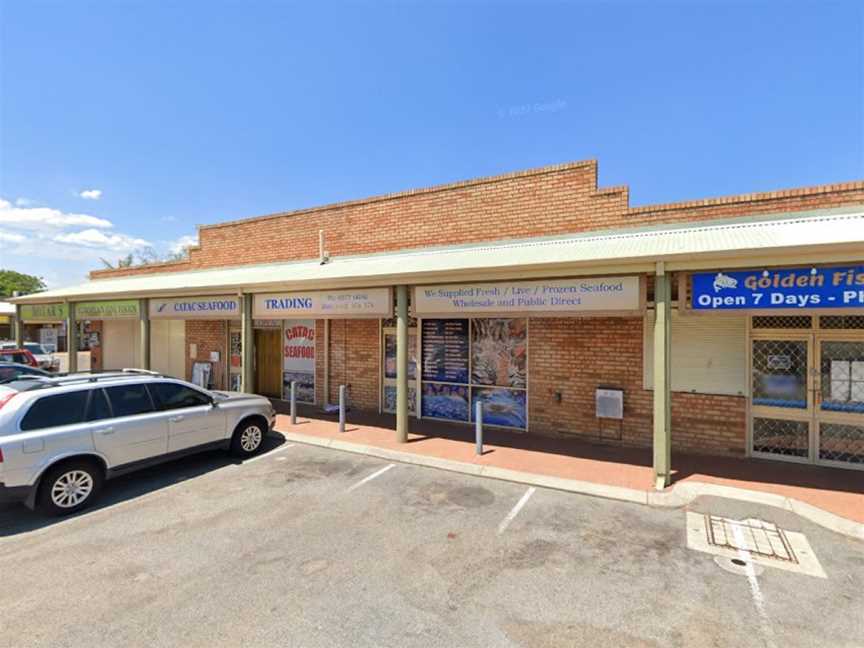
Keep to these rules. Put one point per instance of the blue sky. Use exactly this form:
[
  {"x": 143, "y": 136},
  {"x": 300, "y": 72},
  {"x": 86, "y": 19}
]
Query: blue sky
[{"x": 190, "y": 113}]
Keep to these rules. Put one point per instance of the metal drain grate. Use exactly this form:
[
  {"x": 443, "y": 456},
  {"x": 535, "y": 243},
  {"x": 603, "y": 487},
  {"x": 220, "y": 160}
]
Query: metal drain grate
[{"x": 757, "y": 537}]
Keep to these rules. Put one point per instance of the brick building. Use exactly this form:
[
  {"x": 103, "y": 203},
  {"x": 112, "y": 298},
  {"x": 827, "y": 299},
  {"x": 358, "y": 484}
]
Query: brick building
[{"x": 730, "y": 325}]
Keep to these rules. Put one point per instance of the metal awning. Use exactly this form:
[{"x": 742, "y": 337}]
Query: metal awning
[{"x": 795, "y": 237}]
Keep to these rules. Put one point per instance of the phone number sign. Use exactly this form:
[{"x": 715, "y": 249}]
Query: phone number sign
[{"x": 787, "y": 288}]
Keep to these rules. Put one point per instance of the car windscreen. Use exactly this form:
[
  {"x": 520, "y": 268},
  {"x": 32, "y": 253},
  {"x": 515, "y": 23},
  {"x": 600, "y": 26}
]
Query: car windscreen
[
  {"x": 34, "y": 348},
  {"x": 20, "y": 383},
  {"x": 11, "y": 372}
]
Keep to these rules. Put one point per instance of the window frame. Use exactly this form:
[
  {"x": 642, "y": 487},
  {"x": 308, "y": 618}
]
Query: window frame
[
  {"x": 41, "y": 398},
  {"x": 160, "y": 406},
  {"x": 154, "y": 410},
  {"x": 90, "y": 398}
]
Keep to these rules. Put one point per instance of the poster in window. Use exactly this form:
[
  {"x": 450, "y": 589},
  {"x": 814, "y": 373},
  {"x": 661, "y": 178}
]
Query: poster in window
[
  {"x": 236, "y": 349},
  {"x": 445, "y": 350},
  {"x": 499, "y": 352},
  {"x": 390, "y": 399},
  {"x": 445, "y": 401},
  {"x": 501, "y": 406},
  {"x": 390, "y": 356},
  {"x": 299, "y": 359}
]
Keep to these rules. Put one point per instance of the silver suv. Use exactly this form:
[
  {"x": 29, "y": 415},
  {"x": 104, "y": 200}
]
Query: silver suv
[{"x": 60, "y": 438}]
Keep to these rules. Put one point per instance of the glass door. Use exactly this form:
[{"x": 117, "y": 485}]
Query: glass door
[
  {"x": 782, "y": 396},
  {"x": 839, "y": 414},
  {"x": 389, "y": 371}
]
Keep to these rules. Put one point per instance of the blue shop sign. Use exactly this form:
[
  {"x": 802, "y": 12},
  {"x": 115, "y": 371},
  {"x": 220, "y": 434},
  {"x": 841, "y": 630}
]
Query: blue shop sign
[{"x": 788, "y": 288}]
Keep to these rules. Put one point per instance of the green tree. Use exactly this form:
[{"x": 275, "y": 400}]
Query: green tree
[{"x": 10, "y": 281}]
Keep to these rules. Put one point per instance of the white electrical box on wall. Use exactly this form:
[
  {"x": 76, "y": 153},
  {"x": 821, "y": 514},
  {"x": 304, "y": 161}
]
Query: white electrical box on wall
[
  {"x": 609, "y": 403},
  {"x": 193, "y": 350}
]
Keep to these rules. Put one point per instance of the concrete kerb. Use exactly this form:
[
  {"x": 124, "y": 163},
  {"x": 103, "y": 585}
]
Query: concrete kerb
[{"x": 678, "y": 496}]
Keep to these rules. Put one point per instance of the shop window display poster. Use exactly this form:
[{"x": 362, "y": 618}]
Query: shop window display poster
[
  {"x": 445, "y": 350},
  {"x": 299, "y": 359},
  {"x": 390, "y": 399},
  {"x": 501, "y": 406},
  {"x": 445, "y": 401},
  {"x": 499, "y": 350},
  {"x": 390, "y": 356}
]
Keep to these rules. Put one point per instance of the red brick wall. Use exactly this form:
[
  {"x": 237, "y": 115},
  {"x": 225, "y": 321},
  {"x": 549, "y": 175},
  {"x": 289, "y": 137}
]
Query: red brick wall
[
  {"x": 575, "y": 356},
  {"x": 209, "y": 335},
  {"x": 354, "y": 361},
  {"x": 551, "y": 200}
]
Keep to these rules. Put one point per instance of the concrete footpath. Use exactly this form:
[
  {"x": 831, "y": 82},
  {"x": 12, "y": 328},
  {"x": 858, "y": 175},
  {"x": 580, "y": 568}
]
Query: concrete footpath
[{"x": 831, "y": 498}]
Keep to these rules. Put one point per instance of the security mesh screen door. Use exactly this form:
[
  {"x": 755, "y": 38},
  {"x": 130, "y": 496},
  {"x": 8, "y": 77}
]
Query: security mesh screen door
[
  {"x": 780, "y": 398},
  {"x": 840, "y": 411}
]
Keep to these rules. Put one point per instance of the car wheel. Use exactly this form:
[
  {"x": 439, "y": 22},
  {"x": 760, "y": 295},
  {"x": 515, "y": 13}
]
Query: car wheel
[
  {"x": 248, "y": 438},
  {"x": 69, "y": 487}
]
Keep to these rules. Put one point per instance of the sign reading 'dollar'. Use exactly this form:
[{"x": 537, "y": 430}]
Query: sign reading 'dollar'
[
  {"x": 555, "y": 297},
  {"x": 369, "y": 302},
  {"x": 212, "y": 307}
]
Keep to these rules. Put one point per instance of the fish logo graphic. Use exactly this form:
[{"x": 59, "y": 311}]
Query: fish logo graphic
[
  {"x": 161, "y": 308},
  {"x": 724, "y": 281}
]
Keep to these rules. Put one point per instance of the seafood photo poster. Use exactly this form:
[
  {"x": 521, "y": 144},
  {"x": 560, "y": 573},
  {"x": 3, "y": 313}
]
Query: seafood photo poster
[{"x": 298, "y": 350}]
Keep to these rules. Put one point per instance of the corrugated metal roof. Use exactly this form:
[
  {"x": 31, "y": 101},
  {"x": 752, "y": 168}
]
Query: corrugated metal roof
[{"x": 630, "y": 249}]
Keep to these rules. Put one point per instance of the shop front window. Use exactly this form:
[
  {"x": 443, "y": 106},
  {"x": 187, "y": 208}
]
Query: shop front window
[{"x": 466, "y": 361}]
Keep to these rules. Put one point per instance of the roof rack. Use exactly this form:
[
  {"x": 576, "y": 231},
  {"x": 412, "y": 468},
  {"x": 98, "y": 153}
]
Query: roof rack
[{"x": 42, "y": 382}]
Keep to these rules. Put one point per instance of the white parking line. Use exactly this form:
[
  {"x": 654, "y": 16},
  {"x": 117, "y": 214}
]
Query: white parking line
[
  {"x": 755, "y": 590},
  {"x": 371, "y": 477},
  {"x": 284, "y": 446},
  {"x": 515, "y": 510}
]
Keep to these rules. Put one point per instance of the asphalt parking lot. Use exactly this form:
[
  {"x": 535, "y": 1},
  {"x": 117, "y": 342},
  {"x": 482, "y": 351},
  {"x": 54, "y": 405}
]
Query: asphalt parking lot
[{"x": 311, "y": 547}]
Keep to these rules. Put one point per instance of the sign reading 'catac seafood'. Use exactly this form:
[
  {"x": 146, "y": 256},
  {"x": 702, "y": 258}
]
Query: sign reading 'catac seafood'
[{"x": 211, "y": 307}]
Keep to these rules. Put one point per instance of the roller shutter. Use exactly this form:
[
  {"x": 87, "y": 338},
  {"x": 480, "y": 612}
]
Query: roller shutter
[{"x": 709, "y": 353}]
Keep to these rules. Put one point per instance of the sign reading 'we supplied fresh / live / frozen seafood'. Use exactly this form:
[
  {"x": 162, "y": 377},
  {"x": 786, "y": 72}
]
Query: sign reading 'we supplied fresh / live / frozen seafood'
[{"x": 554, "y": 297}]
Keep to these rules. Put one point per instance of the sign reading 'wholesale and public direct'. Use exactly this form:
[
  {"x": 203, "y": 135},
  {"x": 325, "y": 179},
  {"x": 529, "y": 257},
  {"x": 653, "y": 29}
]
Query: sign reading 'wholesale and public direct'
[
  {"x": 789, "y": 288},
  {"x": 370, "y": 302},
  {"x": 554, "y": 297},
  {"x": 214, "y": 307}
]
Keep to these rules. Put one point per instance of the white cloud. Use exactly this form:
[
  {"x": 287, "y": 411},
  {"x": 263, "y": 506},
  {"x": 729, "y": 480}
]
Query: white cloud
[
  {"x": 9, "y": 237},
  {"x": 95, "y": 239},
  {"x": 43, "y": 241},
  {"x": 91, "y": 194},
  {"x": 24, "y": 202},
  {"x": 175, "y": 247},
  {"x": 45, "y": 218}
]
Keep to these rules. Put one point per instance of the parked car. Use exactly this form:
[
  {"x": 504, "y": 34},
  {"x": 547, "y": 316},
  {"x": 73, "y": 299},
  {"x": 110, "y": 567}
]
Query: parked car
[
  {"x": 62, "y": 437},
  {"x": 43, "y": 356},
  {"x": 20, "y": 356},
  {"x": 10, "y": 371}
]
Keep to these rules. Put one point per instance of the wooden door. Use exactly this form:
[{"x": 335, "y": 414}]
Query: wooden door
[{"x": 268, "y": 362}]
